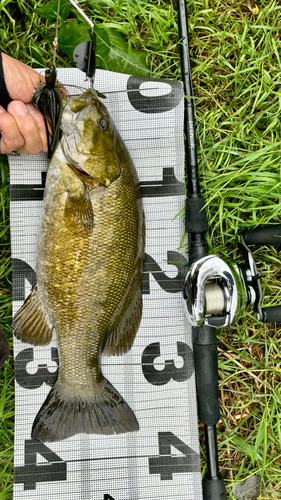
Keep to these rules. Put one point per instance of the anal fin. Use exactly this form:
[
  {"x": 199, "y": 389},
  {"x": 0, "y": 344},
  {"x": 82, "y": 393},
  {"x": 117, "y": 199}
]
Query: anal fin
[
  {"x": 121, "y": 339},
  {"x": 31, "y": 323}
]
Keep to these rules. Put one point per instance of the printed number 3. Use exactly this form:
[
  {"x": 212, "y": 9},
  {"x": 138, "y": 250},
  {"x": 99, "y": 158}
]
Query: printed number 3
[{"x": 170, "y": 371}]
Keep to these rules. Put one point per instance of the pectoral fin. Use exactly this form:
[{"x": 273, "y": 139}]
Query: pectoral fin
[
  {"x": 122, "y": 338},
  {"x": 31, "y": 323},
  {"x": 78, "y": 213}
]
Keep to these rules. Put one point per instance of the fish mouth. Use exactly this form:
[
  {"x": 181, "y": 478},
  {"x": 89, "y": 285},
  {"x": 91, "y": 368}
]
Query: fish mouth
[{"x": 85, "y": 176}]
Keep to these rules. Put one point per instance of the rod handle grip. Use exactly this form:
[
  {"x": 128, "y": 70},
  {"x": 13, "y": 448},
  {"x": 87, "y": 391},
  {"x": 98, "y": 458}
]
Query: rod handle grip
[
  {"x": 206, "y": 374},
  {"x": 195, "y": 215},
  {"x": 270, "y": 235},
  {"x": 214, "y": 489},
  {"x": 271, "y": 314},
  {"x": 196, "y": 226}
]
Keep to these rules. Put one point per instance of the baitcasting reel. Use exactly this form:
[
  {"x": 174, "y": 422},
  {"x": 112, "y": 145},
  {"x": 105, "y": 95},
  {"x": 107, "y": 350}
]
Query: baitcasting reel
[{"x": 217, "y": 292}]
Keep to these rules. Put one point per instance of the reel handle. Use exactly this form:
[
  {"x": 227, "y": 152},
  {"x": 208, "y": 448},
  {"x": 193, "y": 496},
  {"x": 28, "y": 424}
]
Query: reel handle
[
  {"x": 270, "y": 235},
  {"x": 271, "y": 314}
]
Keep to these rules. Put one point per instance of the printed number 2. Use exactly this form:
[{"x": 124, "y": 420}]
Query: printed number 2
[{"x": 32, "y": 473}]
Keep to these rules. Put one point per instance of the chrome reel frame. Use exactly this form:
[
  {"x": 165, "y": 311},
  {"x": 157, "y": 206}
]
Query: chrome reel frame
[{"x": 216, "y": 292}]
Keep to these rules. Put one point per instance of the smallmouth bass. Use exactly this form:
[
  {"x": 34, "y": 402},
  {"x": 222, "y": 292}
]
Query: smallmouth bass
[{"x": 90, "y": 249}]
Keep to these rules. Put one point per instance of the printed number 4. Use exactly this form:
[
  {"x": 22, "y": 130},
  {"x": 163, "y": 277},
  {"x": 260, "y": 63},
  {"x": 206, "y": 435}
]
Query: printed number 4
[
  {"x": 167, "y": 464},
  {"x": 31, "y": 472}
]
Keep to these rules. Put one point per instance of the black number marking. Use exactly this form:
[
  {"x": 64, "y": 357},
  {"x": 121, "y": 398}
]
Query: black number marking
[
  {"x": 24, "y": 192},
  {"x": 108, "y": 497},
  {"x": 167, "y": 464},
  {"x": 169, "y": 186},
  {"x": 35, "y": 380},
  {"x": 21, "y": 272},
  {"x": 170, "y": 371},
  {"x": 155, "y": 104},
  {"x": 32, "y": 473},
  {"x": 170, "y": 285}
]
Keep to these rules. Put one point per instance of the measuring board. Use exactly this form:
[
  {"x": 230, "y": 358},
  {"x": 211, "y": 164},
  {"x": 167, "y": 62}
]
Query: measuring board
[{"x": 156, "y": 377}]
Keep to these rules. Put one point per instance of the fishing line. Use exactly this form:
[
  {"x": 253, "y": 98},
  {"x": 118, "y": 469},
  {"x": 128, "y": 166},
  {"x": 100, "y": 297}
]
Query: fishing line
[
  {"x": 75, "y": 5},
  {"x": 82, "y": 13},
  {"x": 55, "y": 42}
]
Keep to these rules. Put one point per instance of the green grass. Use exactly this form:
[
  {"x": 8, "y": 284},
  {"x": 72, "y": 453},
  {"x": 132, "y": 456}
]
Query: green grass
[
  {"x": 7, "y": 374},
  {"x": 236, "y": 78}
]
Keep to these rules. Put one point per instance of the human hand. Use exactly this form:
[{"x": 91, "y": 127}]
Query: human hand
[{"x": 22, "y": 126}]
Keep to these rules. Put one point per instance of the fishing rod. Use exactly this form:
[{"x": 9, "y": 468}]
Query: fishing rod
[
  {"x": 196, "y": 226},
  {"x": 215, "y": 292}
]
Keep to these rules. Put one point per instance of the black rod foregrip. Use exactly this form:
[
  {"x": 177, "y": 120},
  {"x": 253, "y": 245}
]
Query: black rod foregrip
[
  {"x": 195, "y": 215},
  {"x": 196, "y": 226},
  {"x": 270, "y": 235},
  {"x": 206, "y": 373},
  {"x": 271, "y": 314}
]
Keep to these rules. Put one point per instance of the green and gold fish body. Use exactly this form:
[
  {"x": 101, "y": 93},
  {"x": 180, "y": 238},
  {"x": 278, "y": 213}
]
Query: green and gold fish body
[{"x": 89, "y": 263}]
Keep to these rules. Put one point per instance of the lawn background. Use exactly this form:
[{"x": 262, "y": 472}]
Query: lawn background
[{"x": 236, "y": 50}]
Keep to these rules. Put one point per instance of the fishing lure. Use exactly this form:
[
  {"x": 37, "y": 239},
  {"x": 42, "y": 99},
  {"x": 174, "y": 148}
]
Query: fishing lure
[{"x": 48, "y": 96}]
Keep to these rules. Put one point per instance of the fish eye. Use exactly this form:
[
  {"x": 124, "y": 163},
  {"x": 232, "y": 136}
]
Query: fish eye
[{"x": 103, "y": 123}]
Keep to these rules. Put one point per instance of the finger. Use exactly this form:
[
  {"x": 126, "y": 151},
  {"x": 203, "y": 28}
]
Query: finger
[
  {"x": 11, "y": 137},
  {"x": 40, "y": 122},
  {"x": 27, "y": 126},
  {"x": 23, "y": 86}
]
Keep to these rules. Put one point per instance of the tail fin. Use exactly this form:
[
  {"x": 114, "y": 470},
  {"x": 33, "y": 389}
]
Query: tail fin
[{"x": 62, "y": 416}]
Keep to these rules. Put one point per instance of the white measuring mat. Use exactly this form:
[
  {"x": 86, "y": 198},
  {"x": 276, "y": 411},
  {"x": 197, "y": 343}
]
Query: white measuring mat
[{"x": 156, "y": 378}]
